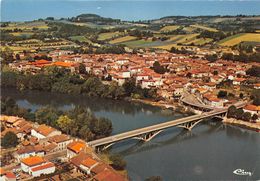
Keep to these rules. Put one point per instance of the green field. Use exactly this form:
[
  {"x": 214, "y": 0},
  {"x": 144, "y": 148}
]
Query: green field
[
  {"x": 80, "y": 38},
  {"x": 204, "y": 28},
  {"x": 26, "y": 26},
  {"x": 185, "y": 39},
  {"x": 22, "y": 34},
  {"x": 137, "y": 43},
  {"x": 201, "y": 41},
  {"x": 169, "y": 28},
  {"x": 105, "y": 36},
  {"x": 238, "y": 38},
  {"x": 122, "y": 39}
]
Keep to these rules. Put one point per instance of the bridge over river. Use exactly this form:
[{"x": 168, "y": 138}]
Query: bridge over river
[{"x": 147, "y": 133}]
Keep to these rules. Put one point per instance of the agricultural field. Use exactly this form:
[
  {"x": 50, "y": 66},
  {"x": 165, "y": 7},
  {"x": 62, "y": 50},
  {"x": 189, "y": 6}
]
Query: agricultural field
[
  {"x": 204, "y": 28},
  {"x": 138, "y": 43},
  {"x": 22, "y": 34},
  {"x": 169, "y": 46},
  {"x": 184, "y": 39},
  {"x": 17, "y": 49},
  {"x": 169, "y": 28},
  {"x": 105, "y": 36},
  {"x": 201, "y": 41},
  {"x": 189, "y": 29},
  {"x": 26, "y": 26},
  {"x": 80, "y": 39},
  {"x": 122, "y": 39},
  {"x": 33, "y": 44},
  {"x": 238, "y": 38}
]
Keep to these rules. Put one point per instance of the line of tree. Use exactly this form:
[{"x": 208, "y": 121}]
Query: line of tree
[
  {"x": 216, "y": 36},
  {"x": 79, "y": 121},
  {"x": 180, "y": 51},
  {"x": 59, "y": 80},
  {"x": 242, "y": 57},
  {"x": 254, "y": 71},
  {"x": 233, "y": 112}
]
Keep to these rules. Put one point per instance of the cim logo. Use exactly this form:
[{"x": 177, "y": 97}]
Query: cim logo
[{"x": 242, "y": 172}]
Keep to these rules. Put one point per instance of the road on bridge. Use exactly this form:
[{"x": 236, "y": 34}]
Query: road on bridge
[{"x": 158, "y": 127}]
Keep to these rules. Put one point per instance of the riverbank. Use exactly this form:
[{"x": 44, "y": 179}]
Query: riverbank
[
  {"x": 174, "y": 106},
  {"x": 243, "y": 124}
]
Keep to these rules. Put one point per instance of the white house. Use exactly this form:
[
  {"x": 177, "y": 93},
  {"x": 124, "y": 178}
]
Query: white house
[
  {"x": 43, "y": 131},
  {"x": 29, "y": 151},
  {"x": 87, "y": 164},
  {"x": 61, "y": 141},
  {"x": 37, "y": 166},
  {"x": 46, "y": 168},
  {"x": 75, "y": 148}
]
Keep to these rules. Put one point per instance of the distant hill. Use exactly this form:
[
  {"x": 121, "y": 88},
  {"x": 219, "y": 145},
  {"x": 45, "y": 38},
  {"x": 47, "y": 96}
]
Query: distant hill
[{"x": 93, "y": 18}]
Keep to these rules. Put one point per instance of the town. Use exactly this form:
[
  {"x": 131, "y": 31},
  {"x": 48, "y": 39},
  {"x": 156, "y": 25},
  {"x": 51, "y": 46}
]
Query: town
[
  {"x": 185, "y": 69},
  {"x": 43, "y": 150},
  {"x": 217, "y": 84}
]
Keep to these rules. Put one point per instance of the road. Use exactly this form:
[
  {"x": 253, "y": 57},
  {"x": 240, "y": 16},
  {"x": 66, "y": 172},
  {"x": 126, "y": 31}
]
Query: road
[{"x": 158, "y": 127}]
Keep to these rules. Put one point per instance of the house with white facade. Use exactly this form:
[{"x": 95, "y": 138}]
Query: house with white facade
[
  {"x": 61, "y": 141},
  {"x": 37, "y": 166},
  {"x": 43, "y": 131}
]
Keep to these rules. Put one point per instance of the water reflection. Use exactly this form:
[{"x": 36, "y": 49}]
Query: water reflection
[{"x": 35, "y": 99}]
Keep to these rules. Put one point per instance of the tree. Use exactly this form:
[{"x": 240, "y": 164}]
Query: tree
[
  {"x": 254, "y": 117},
  {"x": 9, "y": 140},
  {"x": 254, "y": 71},
  {"x": 17, "y": 56},
  {"x": 222, "y": 94},
  {"x": 129, "y": 86},
  {"x": 101, "y": 127},
  {"x": 231, "y": 112},
  {"x": 158, "y": 68},
  {"x": 255, "y": 96},
  {"x": 82, "y": 69},
  {"x": 211, "y": 58},
  {"x": 246, "y": 116},
  {"x": 117, "y": 162},
  {"x": 215, "y": 72},
  {"x": 65, "y": 123},
  {"x": 48, "y": 115},
  {"x": 6, "y": 55},
  {"x": 239, "y": 114},
  {"x": 85, "y": 133}
]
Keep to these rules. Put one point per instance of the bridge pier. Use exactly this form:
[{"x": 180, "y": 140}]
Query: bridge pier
[
  {"x": 148, "y": 136},
  {"x": 104, "y": 147},
  {"x": 190, "y": 125}
]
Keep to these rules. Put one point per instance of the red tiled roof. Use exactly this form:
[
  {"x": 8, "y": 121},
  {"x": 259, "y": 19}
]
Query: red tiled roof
[
  {"x": 63, "y": 64},
  {"x": 42, "y": 167},
  {"x": 10, "y": 175},
  {"x": 32, "y": 161},
  {"x": 59, "y": 138},
  {"x": 78, "y": 159},
  {"x": 89, "y": 162},
  {"x": 251, "y": 107},
  {"x": 44, "y": 130},
  {"x": 108, "y": 175},
  {"x": 76, "y": 146}
]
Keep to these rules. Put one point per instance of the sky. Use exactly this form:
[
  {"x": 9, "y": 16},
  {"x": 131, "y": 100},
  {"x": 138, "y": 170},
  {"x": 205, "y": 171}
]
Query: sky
[{"x": 26, "y": 10}]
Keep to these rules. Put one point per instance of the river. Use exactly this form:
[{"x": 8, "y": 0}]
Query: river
[{"x": 212, "y": 151}]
